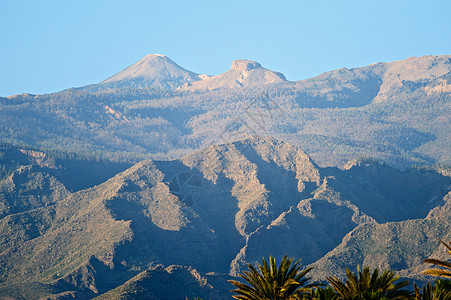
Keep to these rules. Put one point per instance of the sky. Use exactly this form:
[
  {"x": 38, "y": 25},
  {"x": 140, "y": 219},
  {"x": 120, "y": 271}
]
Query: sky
[{"x": 47, "y": 46}]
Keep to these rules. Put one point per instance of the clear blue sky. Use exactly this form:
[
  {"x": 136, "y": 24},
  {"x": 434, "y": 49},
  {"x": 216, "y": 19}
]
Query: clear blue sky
[{"x": 47, "y": 46}]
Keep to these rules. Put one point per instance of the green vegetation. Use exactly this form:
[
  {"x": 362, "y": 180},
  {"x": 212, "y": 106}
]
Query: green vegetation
[
  {"x": 320, "y": 293},
  {"x": 272, "y": 282},
  {"x": 281, "y": 282},
  {"x": 446, "y": 272},
  {"x": 367, "y": 285},
  {"x": 441, "y": 290}
]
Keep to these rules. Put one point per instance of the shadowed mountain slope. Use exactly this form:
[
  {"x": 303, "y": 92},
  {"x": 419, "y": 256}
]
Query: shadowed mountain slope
[
  {"x": 399, "y": 246},
  {"x": 213, "y": 210},
  {"x": 178, "y": 282}
]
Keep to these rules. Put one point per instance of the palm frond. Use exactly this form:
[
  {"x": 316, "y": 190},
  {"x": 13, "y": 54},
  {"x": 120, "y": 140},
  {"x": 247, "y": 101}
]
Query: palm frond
[
  {"x": 271, "y": 281},
  {"x": 440, "y": 263},
  {"x": 438, "y": 272},
  {"x": 370, "y": 285},
  {"x": 446, "y": 245}
]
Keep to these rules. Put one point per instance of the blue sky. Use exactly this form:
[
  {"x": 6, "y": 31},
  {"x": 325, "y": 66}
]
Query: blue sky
[{"x": 47, "y": 46}]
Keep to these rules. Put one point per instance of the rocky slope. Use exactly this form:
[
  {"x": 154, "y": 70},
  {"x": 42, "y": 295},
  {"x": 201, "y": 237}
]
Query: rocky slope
[
  {"x": 214, "y": 211},
  {"x": 244, "y": 73},
  {"x": 166, "y": 283}
]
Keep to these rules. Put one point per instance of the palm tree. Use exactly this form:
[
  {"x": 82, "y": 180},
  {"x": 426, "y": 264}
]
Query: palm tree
[
  {"x": 319, "y": 293},
  {"x": 370, "y": 286},
  {"x": 272, "y": 282},
  {"x": 440, "y": 272},
  {"x": 440, "y": 291}
]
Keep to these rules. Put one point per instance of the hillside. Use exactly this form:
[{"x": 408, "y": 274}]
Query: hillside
[
  {"x": 207, "y": 214},
  {"x": 395, "y": 245},
  {"x": 165, "y": 283},
  {"x": 397, "y": 112}
]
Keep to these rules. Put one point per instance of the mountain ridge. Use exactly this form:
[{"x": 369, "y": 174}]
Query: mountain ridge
[
  {"x": 396, "y": 112},
  {"x": 159, "y": 71},
  {"x": 259, "y": 196},
  {"x": 243, "y": 73}
]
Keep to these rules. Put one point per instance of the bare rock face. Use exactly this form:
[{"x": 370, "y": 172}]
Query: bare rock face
[
  {"x": 395, "y": 75},
  {"x": 245, "y": 65},
  {"x": 244, "y": 73}
]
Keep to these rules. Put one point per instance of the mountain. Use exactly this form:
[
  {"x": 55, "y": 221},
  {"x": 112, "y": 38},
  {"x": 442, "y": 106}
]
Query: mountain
[
  {"x": 397, "y": 112},
  {"x": 393, "y": 245},
  {"x": 380, "y": 82},
  {"x": 160, "y": 175},
  {"x": 176, "y": 280},
  {"x": 200, "y": 218},
  {"x": 154, "y": 70},
  {"x": 244, "y": 73},
  {"x": 400, "y": 75}
]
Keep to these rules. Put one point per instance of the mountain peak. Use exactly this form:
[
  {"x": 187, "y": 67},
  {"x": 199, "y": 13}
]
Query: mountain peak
[
  {"x": 156, "y": 54},
  {"x": 244, "y": 73},
  {"x": 245, "y": 65},
  {"x": 153, "y": 70},
  {"x": 156, "y": 57}
]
